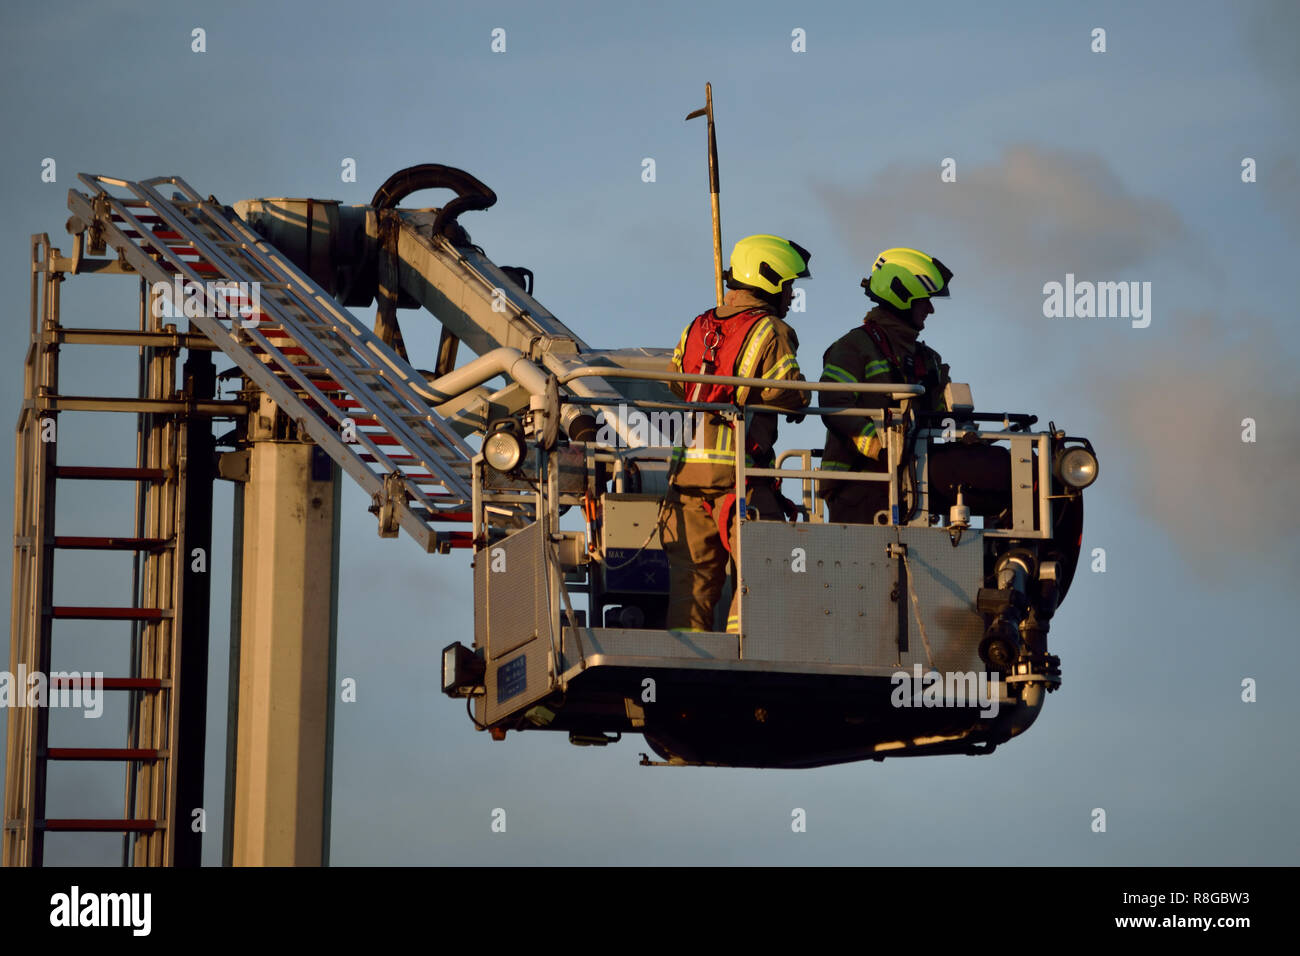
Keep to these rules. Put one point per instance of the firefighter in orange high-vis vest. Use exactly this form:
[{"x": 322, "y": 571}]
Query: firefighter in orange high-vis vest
[{"x": 744, "y": 338}]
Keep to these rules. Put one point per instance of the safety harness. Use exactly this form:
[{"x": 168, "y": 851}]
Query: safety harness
[
  {"x": 713, "y": 347},
  {"x": 911, "y": 370}
]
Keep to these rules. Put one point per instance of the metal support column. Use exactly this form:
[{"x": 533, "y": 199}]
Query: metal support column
[{"x": 289, "y": 576}]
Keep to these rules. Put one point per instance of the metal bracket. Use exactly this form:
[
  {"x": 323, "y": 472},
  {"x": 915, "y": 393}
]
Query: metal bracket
[
  {"x": 95, "y": 242},
  {"x": 384, "y": 504},
  {"x": 594, "y": 740},
  {"x": 675, "y": 762},
  {"x": 233, "y": 465},
  {"x": 635, "y": 712}
]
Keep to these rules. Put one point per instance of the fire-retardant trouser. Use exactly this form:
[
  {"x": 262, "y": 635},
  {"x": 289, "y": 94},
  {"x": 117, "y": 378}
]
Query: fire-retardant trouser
[{"x": 697, "y": 558}]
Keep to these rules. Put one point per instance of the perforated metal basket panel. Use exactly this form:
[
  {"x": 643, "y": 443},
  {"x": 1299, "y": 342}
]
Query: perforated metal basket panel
[
  {"x": 828, "y": 594},
  {"x": 947, "y": 580},
  {"x": 818, "y": 593},
  {"x": 511, "y": 622}
]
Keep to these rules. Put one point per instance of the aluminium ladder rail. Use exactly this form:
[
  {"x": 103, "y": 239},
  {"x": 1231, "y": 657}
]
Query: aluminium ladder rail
[
  {"x": 156, "y": 611},
  {"x": 320, "y": 365}
]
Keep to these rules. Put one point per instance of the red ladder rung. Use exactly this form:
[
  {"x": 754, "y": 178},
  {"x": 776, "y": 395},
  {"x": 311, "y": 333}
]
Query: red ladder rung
[
  {"x": 71, "y": 542},
  {"x": 109, "y": 473},
  {"x": 97, "y": 826},
  {"x": 100, "y": 753},
  {"x": 108, "y": 683},
  {"x": 108, "y": 613}
]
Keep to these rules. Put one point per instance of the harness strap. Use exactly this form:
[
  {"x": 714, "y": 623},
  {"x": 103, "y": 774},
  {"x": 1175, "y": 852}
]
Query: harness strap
[{"x": 915, "y": 368}]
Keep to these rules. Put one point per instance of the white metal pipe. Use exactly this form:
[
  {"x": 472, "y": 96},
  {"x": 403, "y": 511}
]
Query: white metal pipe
[
  {"x": 602, "y": 371},
  {"x": 501, "y": 361}
]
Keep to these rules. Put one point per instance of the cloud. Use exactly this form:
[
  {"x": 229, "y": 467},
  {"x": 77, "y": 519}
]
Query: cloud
[
  {"x": 1173, "y": 399},
  {"x": 1033, "y": 215},
  {"x": 1269, "y": 30},
  {"x": 1180, "y": 427}
]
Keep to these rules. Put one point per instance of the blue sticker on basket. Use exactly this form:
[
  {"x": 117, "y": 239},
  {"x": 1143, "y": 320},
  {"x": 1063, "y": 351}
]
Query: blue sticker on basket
[{"x": 512, "y": 678}]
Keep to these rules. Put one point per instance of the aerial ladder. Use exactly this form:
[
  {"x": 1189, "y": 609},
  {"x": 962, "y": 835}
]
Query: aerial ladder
[{"x": 312, "y": 373}]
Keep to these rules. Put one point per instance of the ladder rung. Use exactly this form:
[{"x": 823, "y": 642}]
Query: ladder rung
[
  {"x": 111, "y": 544},
  {"x": 305, "y": 347},
  {"x": 100, "y": 753},
  {"x": 426, "y": 515},
  {"x": 109, "y": 474},
  {"x": 108, "y": 683},
  {"x": 97, "y": 826},
  {"x": 109, "y": 613},
  {"x": 326, "y": 385},
  {"x": 133, "y": 337}
]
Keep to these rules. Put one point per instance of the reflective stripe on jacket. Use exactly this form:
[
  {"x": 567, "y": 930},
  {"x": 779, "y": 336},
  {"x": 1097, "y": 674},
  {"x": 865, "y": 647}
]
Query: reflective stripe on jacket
[
  {"x": 855, "y": 358},
  {"x": 769, "y": 352}
]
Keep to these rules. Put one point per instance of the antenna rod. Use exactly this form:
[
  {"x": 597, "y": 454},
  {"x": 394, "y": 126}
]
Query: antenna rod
[{"x": 713, "y": 188}]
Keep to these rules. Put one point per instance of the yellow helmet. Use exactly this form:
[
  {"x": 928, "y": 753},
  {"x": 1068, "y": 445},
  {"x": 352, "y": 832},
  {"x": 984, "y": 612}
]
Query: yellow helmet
[
  {"x": 768, "y": 262},
  {"x": 901, "y": 275}
]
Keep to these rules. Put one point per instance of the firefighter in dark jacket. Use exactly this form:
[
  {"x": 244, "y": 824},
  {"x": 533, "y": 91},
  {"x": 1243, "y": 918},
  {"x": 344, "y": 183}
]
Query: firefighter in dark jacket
[
  {"x": 886, "y": 349},
  {"x": 745, "y": 338}
]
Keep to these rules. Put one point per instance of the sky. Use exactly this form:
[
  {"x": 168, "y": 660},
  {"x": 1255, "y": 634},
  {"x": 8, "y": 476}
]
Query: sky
[{"x": 1127, "y": 164}]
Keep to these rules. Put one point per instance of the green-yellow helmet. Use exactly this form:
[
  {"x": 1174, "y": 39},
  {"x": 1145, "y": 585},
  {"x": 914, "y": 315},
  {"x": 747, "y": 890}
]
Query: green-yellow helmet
[
  {"x": 768, "y": 262},
  {"x": 901, "y": 275}
]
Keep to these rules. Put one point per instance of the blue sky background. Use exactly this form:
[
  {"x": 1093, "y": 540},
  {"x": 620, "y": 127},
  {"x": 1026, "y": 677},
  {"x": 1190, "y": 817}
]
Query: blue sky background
[{"x": 1123, "y": 165}]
